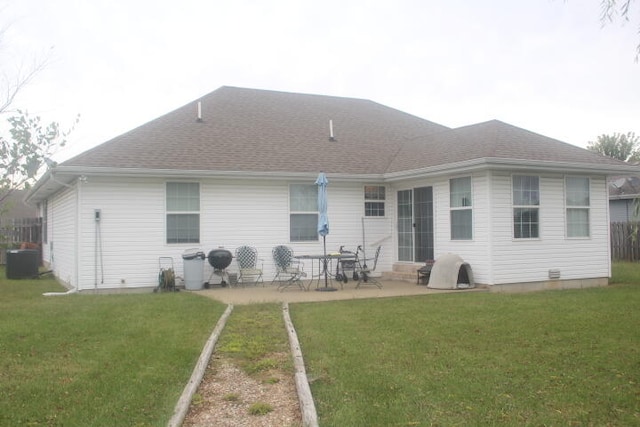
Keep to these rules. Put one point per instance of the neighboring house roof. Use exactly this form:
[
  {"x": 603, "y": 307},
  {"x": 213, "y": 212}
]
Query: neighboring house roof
[
  {"x": 14, "y": 207},
  {"x": 624, "y": 187}
]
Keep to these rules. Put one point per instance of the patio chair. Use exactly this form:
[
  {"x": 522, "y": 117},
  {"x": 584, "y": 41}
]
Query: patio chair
[
  {"x": 247, "y": 258},
  {"x": 289, "y": 270},
  {"x": 364, "y": 271}
]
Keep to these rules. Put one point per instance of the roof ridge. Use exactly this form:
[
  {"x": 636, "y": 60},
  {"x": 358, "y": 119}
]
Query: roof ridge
[{"x": 270, "y": 131}]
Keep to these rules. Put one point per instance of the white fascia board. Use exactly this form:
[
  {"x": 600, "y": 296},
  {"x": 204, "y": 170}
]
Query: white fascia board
[
  {"x": 496, "y": 163},
  {"x": 238, "y": 175},
  {"x": 49, "y": 183}
]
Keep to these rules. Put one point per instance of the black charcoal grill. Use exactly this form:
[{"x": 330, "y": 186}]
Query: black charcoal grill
[{"x": 219, "y": 259}]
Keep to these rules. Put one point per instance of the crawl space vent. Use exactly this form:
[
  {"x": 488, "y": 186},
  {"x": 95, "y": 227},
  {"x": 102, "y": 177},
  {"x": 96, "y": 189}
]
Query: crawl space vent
[{"x": 554, "y": 273}]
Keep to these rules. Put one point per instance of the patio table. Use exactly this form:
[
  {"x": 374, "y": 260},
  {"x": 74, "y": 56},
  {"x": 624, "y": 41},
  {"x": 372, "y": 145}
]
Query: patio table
[{"x": 325, "y": 263}]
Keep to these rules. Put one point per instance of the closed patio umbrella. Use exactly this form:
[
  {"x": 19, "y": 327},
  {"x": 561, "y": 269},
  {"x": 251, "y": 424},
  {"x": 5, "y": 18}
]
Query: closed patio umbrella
[{"x": 323, "y": 224}]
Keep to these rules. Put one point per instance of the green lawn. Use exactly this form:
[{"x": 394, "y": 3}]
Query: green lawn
[
  {"x": 96, "y": 360},
  {"x": 543, "y": 358}
]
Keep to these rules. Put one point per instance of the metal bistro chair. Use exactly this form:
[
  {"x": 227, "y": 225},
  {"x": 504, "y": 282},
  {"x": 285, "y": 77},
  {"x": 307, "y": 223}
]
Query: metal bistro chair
[
  {"x": 287, "y": 268},
  {"x": 247, "y": 258},
  {"x": 364, "y": 271}
]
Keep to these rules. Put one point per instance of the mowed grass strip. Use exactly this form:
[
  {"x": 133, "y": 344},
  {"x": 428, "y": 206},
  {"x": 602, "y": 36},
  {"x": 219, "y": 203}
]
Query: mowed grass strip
[
  {"x": 544, "y": 358},
  {"x": 99, "y": 360},
  {"x": 256, "y": 339}
]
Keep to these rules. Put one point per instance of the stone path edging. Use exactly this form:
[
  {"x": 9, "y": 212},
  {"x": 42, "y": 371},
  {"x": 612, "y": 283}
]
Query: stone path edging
[
  {"x": 307, "y": 407},
  {"x": 182, "y": 407}
]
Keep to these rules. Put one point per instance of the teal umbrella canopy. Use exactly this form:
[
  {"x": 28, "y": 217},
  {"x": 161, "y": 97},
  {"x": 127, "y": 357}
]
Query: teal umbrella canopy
[{"x": 323, "y": 218}]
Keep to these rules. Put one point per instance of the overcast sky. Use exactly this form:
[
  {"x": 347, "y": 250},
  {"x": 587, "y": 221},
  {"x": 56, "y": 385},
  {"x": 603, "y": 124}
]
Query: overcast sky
[{"x": 544, "y": 65}]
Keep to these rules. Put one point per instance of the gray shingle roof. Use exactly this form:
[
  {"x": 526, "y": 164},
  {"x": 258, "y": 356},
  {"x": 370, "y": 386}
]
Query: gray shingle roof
[
  {"x": 493, "y": 139},
  {"x": 256, "y": 130},
  {"x": 268, "y": 131}
]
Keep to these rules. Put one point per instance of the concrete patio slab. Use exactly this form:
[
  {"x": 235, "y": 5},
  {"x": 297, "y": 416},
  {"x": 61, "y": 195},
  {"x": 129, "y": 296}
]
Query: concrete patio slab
[{"x": 254, "y": 294}]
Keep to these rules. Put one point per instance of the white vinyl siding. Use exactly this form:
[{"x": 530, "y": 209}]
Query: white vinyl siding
[
  {"x": 622, "y": 210},
  {"x": 44, "y": 212},
  {"x": 133, "y": 227},
  {"x": 256, "y": 212},
  {"x": 61, "y": 249},
  {"x": 230, "y": 219},
  {"x": 123, "y": 249},
  {"x": 529, "y": 260},
  {"x": 476, "y": 251}
]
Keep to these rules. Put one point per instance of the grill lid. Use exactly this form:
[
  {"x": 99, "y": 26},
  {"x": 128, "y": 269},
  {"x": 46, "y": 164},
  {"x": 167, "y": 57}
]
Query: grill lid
[{"x": 220, "y": 258}]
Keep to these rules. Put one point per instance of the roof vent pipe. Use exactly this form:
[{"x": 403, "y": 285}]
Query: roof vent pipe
[
  {"x": 199, "y": 111},
  {"x": 331, "y": 137}
]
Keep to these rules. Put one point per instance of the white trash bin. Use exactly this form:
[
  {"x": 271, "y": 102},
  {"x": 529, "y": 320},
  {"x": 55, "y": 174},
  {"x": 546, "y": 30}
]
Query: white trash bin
[{"x": 193, "y": 261}]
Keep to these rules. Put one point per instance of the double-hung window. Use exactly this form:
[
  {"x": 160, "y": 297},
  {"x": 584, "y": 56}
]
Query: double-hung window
[
  {"x": 303, "y": 212},
  {"x": 526, "y": 207},
  {"x": 374, "y": 197},
  {"x": 577, "y": 202},
  {"x": 183, "y": 212},
  {"x": 461, "y": 208}
]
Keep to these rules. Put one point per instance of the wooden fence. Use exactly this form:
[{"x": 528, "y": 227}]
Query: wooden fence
[
  {"x": 16, "y": 232},
  {"x": 625, "y": 241}
]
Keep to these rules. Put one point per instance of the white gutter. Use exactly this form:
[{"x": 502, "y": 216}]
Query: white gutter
[
  {"x": 497, "y": 163},
  {"x": 487, "y": 162},
  {"x": 178, "y": 173},
  {"x": 46, "y": 179}
]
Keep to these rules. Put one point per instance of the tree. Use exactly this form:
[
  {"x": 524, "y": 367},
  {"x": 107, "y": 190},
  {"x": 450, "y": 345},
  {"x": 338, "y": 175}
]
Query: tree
[
  {"x": 621, "y": 146},
  {"x": 614, "y": 8},
  {"x": 27, "y": 142},
  {"x": 28, "y": 147}
]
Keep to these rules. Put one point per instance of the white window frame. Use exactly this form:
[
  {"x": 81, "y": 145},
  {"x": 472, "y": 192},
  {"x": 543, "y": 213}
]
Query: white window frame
[
  {"x": 294, "y": 212},
  {"x": 572, "y": 205},
  {"x": 461, "y": 202},
  {"x": 193, "y": 211},
  {"x": 370, "y": 201},
  {"x": 522, "y": 206}
]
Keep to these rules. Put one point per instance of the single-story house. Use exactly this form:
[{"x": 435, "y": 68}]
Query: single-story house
[
  {"x": 238, "y": 166},
  {"x": 623, "y": 191}
]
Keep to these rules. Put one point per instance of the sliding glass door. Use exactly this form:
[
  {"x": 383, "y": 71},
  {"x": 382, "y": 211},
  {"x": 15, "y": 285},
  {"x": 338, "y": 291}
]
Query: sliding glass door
[{"x": 415, "y": 224}]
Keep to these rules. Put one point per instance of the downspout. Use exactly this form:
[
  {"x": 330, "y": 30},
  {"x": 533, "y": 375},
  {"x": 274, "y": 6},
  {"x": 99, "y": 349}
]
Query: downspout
[
  {"x": 490, "y": 184},
  {"x": 78, "y": 228},
  {"x": 56, "y": 294},
  {"x": 608, "y": 222}
]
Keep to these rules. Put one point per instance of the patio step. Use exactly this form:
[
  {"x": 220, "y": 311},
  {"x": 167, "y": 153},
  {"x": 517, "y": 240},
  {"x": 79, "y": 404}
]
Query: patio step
[{"x": 403, "y": 272}]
